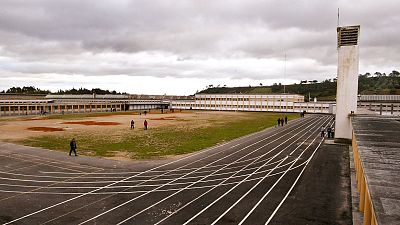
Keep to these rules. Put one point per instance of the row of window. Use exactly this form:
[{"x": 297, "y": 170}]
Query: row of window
[
  {"x": 24, "y": 108},
  {"x": 251, "y": 99},
  {"x": 248, "y": 106}
]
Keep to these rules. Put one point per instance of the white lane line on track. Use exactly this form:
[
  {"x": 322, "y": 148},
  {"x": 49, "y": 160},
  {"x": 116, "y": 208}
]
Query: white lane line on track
[
  {"x": 139, "y": 191},
  {"x": 47, "y": 160},
  {"x": 96, "y": 182},
  {"x": 136, "y": 185},
  {"x": 154, "y": 168},
  {"x": 205, "y": 166},
  {"x": 6, "y": 198},
  {"x": 294, "y": 184},
  {"x": 226, "y": 192},
  {"x": 271, "y": 188},
  {"x": 185, "y": 188},
  {"x": 236, "y": 145},
  {"x": 46, "y": 163},
  {"x": 246, "y": 178},
  {"x": 171, "y": 189},
  {"x": 109, "y": 181},
  {"x": 107, "y": 177},
  {"x": 265, "y": 195},
  {"x": 87, "y": 193},
  {"x": 264, "y": 137}
]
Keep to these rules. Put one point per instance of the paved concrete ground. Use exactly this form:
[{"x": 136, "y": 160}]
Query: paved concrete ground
[
  {"x": 250, "y": 180},
  {"x": 378, "y": 141}
]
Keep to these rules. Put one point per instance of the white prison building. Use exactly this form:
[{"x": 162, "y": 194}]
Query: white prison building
[{"x": 253, "y": 102}]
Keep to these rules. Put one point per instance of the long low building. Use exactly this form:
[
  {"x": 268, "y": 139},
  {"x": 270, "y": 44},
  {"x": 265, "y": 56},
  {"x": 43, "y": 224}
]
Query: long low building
[
  {"x": 106, "y": 103},
  {"x": 14, "y": 104},
  {"x": 67, "y": 104},
  {"x": 254, "y": 102}
]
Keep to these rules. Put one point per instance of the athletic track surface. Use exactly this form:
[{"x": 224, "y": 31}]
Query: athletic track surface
[{"x": 244, "y": 181}]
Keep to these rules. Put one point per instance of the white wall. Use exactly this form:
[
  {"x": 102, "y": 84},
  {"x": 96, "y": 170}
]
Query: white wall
[{"x": 347, "y": 88}]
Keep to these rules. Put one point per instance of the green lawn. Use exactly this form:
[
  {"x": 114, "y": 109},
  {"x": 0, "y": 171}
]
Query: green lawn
[{"x": 162, "y": 141}]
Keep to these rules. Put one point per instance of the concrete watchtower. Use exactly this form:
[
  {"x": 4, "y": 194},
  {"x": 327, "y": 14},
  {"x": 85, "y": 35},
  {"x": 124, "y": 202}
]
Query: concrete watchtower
[{"x": 347, "y": 82}]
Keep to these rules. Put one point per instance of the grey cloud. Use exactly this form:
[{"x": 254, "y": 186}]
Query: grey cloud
[{"x": 66, "y": 36}]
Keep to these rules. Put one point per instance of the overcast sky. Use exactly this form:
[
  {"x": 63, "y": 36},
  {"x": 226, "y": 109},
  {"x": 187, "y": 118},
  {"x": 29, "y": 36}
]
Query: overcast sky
[{"x": 180, "y": 46}]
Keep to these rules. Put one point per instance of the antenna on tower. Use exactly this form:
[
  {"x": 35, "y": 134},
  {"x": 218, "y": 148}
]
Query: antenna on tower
[
  {"x": 284, "y": 74},
  {"x": 338, "y": 17}
]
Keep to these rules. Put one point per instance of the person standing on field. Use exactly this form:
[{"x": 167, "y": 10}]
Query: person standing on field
[
  {"x": 132, "y": 124},
  {"x": 145, "y": 124},
  {"x": 72, "y": 144}
]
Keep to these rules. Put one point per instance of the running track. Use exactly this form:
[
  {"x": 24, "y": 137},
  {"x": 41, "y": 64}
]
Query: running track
[{"x": 244, "y": 181}]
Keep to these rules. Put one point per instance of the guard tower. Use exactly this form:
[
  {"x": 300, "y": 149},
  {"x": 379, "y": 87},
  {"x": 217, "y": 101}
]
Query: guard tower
[{"x": 347, "y": 82}]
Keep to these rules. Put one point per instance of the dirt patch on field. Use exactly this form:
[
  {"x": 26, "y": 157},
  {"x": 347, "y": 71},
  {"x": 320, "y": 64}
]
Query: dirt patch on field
[
  {"x": 35, "y": 118},
  {"x": 93, "y": 123},
  {"x": 165, "y": 118},
  {"x": 45, "y": 129}
]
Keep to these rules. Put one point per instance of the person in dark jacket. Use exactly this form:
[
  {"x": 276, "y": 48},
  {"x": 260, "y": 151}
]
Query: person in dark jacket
[
  {"x": 145, "y": 124},
  {"x": 279, "y": 122},
  {"x": 132, "y": 124},
  {"x": 282, "y": 122},
  {"x": 285, "y": 119},
  {"x": 329, "y": 130},
  {"x": 72, "y": 144}
]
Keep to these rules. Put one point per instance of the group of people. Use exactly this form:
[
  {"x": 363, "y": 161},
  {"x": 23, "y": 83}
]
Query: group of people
[
  {"x": 145, "y": 124},
  {"x": 282, "y": 121},
  {"x": 329, "y": 130}
]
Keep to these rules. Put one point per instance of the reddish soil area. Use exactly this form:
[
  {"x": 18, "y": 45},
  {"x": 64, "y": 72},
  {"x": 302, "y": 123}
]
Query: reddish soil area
[
  {"x": 45, "y": 129},
  {"x": 92, "y": 123},
  {"x": 33, "y": 119},
  {"x": 109, "y": 114},
  {"x": 165, "y": 118}
]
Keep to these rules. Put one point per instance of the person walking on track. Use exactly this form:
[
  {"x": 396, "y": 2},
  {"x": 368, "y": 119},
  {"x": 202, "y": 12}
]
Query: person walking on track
[
  {"x": 72, "y": 144},
  {"x": 329, "y": 130},
  {"x": 145, "y": 124},
  {"x": 322, "y": 132}
]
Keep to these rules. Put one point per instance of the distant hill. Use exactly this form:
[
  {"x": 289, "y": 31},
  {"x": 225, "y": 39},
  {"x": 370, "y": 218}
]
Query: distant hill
[{"x": 324, "y": 91}]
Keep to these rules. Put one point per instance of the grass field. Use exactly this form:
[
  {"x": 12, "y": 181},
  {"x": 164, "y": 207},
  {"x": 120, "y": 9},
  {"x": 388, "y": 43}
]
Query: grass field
[{"x": 169, "y": 134}]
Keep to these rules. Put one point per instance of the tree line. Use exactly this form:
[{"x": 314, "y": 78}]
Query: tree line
[
  {"x": 368, "y": 84},
  {"x": 73, "y": 91}
]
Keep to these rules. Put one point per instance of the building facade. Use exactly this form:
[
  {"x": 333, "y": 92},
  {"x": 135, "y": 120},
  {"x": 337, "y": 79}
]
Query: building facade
[
  {"x": 68, "y": 104},
  {"x": 253, "y": 102}
]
